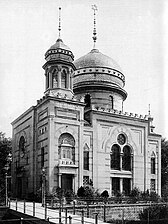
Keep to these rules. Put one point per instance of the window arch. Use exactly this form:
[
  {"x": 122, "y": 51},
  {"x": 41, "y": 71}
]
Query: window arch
[
  {"x": 115, "y": 157},
  {"x": 66, "y": 144},
  {"x": 64, "y": 79},
  {"x": 126, "y": 158},
  {"x": 87, "y": 100},
  {"x": 22, "y": 146}
]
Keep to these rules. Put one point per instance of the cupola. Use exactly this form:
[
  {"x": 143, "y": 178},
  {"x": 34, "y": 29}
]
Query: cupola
[{"x": 59, "y": 68}]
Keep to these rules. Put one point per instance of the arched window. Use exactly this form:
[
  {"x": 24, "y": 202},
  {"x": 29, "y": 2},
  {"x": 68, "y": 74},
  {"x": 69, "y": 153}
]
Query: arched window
[
  {"x": 115, "y": 157},
  {"x": 63, "y": 79},
  {"x": 112, "y": 102},
  {"x": 55, "y": 78},
  {"x": 66, "y": 144},
  {"x": 87, "y": 100},
  {"x": 153, "y": 163},
  {"x": 86, "y": 157},
  {"x": 22, "y": 146},
  {"x": 126, "y": 159}
]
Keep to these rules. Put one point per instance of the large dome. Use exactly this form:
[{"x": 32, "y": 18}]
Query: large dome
[
  {"x": 96, "y": 59},
  {"x": 99, "y": 77}
]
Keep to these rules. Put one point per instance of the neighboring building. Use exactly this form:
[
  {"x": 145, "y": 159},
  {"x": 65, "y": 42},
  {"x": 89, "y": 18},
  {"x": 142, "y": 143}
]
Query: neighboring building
[{"x": 78, "y": 131}]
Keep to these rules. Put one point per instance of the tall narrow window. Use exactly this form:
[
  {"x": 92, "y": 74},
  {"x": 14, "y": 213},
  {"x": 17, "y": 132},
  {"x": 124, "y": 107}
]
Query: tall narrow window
[
  {"x": 126, "y": 159},
  {"x": 55, "y": 78},
  {"x": 112, "y": 102},
  {"x": 86, "y": 157},
  {"x": 42, "y": 157},
  {"x": 153, "y": 165},
  {"x": 115, "y": 185},
  {"x": 63, "y": 79},
  {"x": 115, "y": 157},
  {"x": 126, "y": 186},
  {"x": 153, "y": 185},
  {"x": 22, "y": 147},
  {"x": 87, "y": 100}
]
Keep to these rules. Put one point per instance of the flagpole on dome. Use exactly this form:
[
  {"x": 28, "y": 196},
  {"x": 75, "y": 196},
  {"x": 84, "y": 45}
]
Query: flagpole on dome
[
  {"x": 94, "y": 7},
  {"x": 59, "y": 26}
]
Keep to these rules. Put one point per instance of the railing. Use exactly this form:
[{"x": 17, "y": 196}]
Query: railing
[{"x": 60, "y": 215}]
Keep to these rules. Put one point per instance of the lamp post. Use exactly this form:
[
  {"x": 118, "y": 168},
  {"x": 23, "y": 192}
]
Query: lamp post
[
  {"x": 6, "y": 183},
  {"x": 43, "y": 186}
]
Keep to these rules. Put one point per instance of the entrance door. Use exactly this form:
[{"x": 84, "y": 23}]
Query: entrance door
[{"x": 66, "y": 182}]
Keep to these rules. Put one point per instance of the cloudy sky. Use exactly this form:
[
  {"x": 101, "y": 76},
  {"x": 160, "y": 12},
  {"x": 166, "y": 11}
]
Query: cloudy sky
[{"x": 132, "y": 32}]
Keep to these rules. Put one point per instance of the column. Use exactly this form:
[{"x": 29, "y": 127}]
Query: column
[
  {"x": 59, "y": 180},
  {"x": 121, "y": 185},
  {"x": 59, "y": 76},
  {"x": 121, "y": 155},
  {"x": 50, "y": 79},
  {"x": 71, "y": 80}
]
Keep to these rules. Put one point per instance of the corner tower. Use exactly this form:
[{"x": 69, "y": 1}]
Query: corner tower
[{"x": 59, "y": 68}]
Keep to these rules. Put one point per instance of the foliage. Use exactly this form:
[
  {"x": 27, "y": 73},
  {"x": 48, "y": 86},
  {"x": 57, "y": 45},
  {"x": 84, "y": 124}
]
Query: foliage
[
  {"x": 164, "y": 167},
  {"x": 81, "y": 192},
  {"x": 135, "y": 194},
  {"x": 105, "y": 194},
  {"x": 69, "y": 196},
  {"x": 154, "y": 212},
  {"x": 88, "y": 193},
  {"x": 5, "y": 149}
]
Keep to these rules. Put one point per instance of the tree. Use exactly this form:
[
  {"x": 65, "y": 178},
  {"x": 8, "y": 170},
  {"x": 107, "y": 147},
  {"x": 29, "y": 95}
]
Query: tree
[
  {"x": 164, "y": 167},
  {"x": 5, "y": 149}
]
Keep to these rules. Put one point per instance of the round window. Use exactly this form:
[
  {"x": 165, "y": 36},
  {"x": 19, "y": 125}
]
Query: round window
[{"x": 121, "y": 139}]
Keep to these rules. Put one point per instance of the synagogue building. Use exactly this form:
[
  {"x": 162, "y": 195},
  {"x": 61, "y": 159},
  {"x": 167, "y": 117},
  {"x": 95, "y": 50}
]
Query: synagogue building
[{"x": 79, "y": 132}]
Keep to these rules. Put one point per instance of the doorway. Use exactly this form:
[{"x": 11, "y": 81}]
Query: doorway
[{"x": 66, "y": 182}]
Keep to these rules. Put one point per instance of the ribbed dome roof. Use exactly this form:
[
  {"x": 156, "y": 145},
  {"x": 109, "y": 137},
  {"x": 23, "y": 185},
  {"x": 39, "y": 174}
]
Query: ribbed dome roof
[
  {"x": 60, "y": 44},
  {"x": 96, "y": 59}
]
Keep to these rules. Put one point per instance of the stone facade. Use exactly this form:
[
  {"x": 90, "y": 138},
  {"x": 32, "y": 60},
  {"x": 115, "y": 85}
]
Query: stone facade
[{"x": 81, "y": 134}]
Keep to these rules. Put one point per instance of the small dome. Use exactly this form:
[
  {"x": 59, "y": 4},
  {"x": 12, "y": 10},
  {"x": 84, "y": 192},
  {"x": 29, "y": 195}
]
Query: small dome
[
  {"x": 60, "y": 44},
  {"x": 96, "y": 59},
  {"x": 59, "y": 50}
]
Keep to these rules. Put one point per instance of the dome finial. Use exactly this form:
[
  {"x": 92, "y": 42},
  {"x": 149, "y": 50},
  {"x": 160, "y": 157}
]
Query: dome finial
[
  {"x": 94, "y": 7},
  {"x": 59, "y": 27}
]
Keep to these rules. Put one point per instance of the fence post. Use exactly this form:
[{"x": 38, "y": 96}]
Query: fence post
[
  {"x": 123, "y": 216},
  {"x": 60, "y": 215},
  {"x": 104, "y": 212},
  {"x": 33, "y": 208},
  {"x": 24, "y": 206},
  {"x": 87, "y": 209},
  {"x": 45, "y": 210},
  {"x": 70, "y": 220},
  {"x": 66, "y": 213},
  {"x": 96, "y": 218},
  {"x": 16, "y": 204},
  {"x": 21, "y": 220},
  {"x": 82, "y": 218},
  {"x": 73, "y": 207}
]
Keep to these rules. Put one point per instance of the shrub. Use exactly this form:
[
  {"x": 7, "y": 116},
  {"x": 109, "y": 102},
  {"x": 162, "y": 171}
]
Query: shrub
[{"x": 105, "y": 194}]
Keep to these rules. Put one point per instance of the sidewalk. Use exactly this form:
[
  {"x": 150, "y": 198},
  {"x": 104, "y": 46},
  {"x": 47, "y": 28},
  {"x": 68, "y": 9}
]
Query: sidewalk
[{"x": 53, "y": 215}]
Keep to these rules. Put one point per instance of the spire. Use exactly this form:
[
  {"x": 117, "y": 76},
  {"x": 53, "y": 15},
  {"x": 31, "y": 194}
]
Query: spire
[
  {"x": 149, "y": 110},
  {"x": 59, "y": 27},
  {"x": 94, "y": 7}
]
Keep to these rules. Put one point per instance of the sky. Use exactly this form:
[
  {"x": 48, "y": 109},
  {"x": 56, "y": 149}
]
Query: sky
[{"x": 132, "y": 32}]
